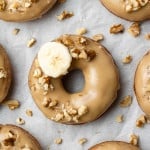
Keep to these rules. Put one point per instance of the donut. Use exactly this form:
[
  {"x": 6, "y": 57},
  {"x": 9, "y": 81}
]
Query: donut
[
  {"x": 133, "y": 10},
  {"x": 5, "y": 74},
  {"x": 63, "y": 55},
  {"x": 15, "y": 138},
  {"x": 142, "y": 83},
  {"x": 24, "y": 10},
  {"x": 114, "y": 145}
]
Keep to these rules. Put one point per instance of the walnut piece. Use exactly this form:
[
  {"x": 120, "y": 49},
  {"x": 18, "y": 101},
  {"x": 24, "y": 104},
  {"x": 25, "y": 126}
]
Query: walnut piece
[
  {"x": 65, "y": 15},
  {"x": 147, "y": 36},
  {"x": 81, "y": 31},
  {"x": 12, "y": 104},
  {"x": 117, "y": 28},
  {"x": 82, "y": 141},
  {"x": 127, "y": 101},
  {"x": 31, "y": 42},
  {"x": 58, "y": 141},
  {"x": 37, "y": 73},
  {"x": 2, "y": 5},
  {"x": 134, "y": 5},
  {"x": 134, "y": 29},
  {"x": 134, "y": 139},
  {"x": 141, "y": 121},
  {"x": 82, "y": 110},
  {"x": 127, "y": 59},
  {"x": 20, "y": 121},
  {"x": 29, "y": 113},
  {"x": 98, "y": 37},
  {"x": 3, "y": 73},
  {"x": 119, "y": 118},
  {"x": 15, "y": 31}
]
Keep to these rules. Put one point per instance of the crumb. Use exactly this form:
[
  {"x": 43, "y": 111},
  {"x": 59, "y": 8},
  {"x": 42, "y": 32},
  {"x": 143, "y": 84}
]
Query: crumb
[
  {"x": 16, "y": 31},
  {"x": 117, "y": 28},
  {"x": 98, "y": 37},
  {"x": 134, "y": 29},
  {"x": 82, "y": 141},
  {"x": 65, "y": 15},
  {"x": 134, "y": 139},
  {"x": 81, "y": 31},
  {"x": 58, "y": 141},
  {"x": 29, "y": 113},
  {"x": 127, "y": 59},
  {"x": 141, "y": 121},
  {"x": 31, "y": 42},
  {"x": 127, "y": 101},
  {"x": 20, "y": 121},
  {"x": 119, "y": 118}
]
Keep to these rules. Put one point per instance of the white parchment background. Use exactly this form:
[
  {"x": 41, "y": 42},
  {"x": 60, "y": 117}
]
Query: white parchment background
[{"x": 92, "y": 15}]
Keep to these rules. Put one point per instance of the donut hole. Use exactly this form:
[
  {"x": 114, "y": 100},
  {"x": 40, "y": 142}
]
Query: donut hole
[{"x": 74, "y": 81}]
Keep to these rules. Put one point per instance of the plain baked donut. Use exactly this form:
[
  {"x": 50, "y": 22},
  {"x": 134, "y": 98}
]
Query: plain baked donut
[
  {"x": 16, "y": 138},
  {"x": 114, "y": 145},
  {"x": 100, "y": 90},
  {"x": 128, "y": 9},
  {"x": 19, "y": 11},
  {"x": 5, "y": 74},
  {"x": 142, "y": 83}
]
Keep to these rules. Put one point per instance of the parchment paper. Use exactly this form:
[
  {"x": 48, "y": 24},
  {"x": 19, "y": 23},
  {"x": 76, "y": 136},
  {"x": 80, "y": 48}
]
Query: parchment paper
[{"x": 93, "y": 16}]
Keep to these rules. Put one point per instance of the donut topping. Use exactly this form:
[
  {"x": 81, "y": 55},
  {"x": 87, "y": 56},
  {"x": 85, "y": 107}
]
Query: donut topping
[
  {"x": 2, "y": 5},
  {"x": 54, "y": 59},
  {"x": 134, "y": 5},
  {"x": 3, "y": 73}
]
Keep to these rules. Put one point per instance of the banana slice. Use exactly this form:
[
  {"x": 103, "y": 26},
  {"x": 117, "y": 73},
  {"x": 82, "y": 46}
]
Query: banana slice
[{"x": 54, "y": 59}]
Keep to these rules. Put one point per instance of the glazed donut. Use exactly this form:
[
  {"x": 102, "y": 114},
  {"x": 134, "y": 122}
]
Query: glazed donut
[
  {"x": 114, "y": 145},
  {"x": 24, "y": 10},
  {"x": 16, "y": 138},
  {"x": 100, "y": 73},
  {"x": 5, "y": 74},
  {"x": 142, "y": 83},
  {"x": 133, "y": 10}
]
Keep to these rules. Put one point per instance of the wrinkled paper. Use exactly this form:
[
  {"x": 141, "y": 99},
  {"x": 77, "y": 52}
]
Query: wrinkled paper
[{"x": 93, "y": 16}]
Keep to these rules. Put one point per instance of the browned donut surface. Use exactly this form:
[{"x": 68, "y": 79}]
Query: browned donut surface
[
  {"x": 13, "y": 137},
  {"x": 24, "y": 10},
  {"x": 133, "y": 10},
  {"x": 5, "y": 74},
  {"x": 114, "y": 145},
  {"x": 101, "y": 77}
]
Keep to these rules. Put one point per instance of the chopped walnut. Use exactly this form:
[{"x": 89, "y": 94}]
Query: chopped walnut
[
  {"x": 127, "y": 59},
  {"x": 3, "y": 73},
  {"x": 81, "y": 31},
  {"x": 65, "y": 15},
  {"x": 134, "y": 139},
  {"x": 20, "y": 121},
  {"x": 58, "y": 141},
  {"x": 59, "y": 117},
  {"x": 37, "y": 73},
  {"x": 117, "y": 28},
  {"x": 98, "y": 37},
  {"x": 134, "y": 29},
  {"x": 83, "y": 55},
  {"x": 127, "y": 101},
  {"x": 134, "y": 5},
  {"x": 31, "y": 42},
  {"x": 29, "y": 112},
  {"x": 119, "y": 118},
  {"x": 2, "y": 5},
  {"x": 82, "y": 110},
  {"x": 141, "y": 121},
  {"x": 82, "y": 41},
  {"x": 45, "y": 102},
  {"x": 16, "y": 31},
  {"x": 9, "y": 141},
  {"x": 147, "y": 36},
  {"x": 12, "y": 104},
  {"x": 82, "y": 141},
  {"x": 52, "y": 103},
  {"x": 52, "y": 87}
]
